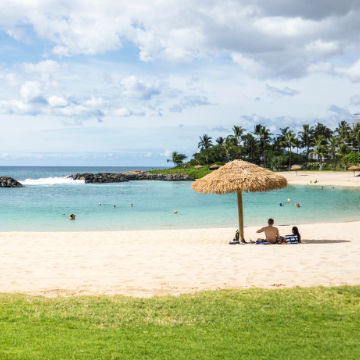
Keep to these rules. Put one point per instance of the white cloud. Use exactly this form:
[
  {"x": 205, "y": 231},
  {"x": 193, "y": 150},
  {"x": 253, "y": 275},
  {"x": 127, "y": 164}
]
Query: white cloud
[
  {"x": 355, "y": 100},
  {"x": 57, "y": 101},
  {"x": 133, "y": 87},
  {"x": 248, "y": 65},
  {"x": 124, "y": 112},
  {"x": 320, "y": 67},
  {"x": 45, "y": 66},
  {"x": 352, "y": 72},
  {"x": 30, "y": 90},
  {"x": 9, "y": 78},
  {"x": 166, "y": 153},
  {"x": 322, "y": 48},
  {"x": 47, "y": 89},
  {"x": 285, "y": 38},
  {"x": 14, "y": 107},
  {"x": 281, "y": 26},
  {"x": 286, "y": 91},
  {"x": 190, "y": 101}
]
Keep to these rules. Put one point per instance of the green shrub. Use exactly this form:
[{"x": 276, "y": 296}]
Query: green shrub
[{"x": 351, "y": 159}]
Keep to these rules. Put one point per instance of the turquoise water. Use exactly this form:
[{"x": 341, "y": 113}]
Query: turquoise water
[{"x": 47, "y": 199}]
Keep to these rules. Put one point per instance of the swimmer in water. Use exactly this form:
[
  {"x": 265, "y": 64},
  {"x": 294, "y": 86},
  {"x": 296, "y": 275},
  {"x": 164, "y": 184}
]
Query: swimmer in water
[
  {"x": 132, "y": 205},
  {"x": 281, "y": 204},
  {"x": 175, "y": 211},
  {"x": 72, "y": 217},
  {"x": 114, "y": 206},
  {"x": 297, "y": 205},
  {"x": 289, "y": 200},
  {"x": 100, "y": 204}
]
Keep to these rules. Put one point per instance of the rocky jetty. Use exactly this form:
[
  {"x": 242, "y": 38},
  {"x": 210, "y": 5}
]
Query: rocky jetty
[
  {"x": 128, "y": 176},
  {"x": 9, "y": 182}
]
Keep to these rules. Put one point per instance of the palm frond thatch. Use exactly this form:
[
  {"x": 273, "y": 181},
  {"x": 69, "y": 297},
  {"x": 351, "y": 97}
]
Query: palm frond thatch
[
  {"x": 296, "y": 167},
  {"x": 237, "y": 176},
  {"x": 354, "y": 167}
]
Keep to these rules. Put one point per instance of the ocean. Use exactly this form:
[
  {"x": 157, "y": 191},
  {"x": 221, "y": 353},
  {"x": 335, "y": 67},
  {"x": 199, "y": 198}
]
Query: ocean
[{"x": 47, "y": 199}]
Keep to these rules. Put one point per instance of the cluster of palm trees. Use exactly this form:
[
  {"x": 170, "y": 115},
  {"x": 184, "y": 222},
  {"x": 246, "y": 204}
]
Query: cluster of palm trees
[{"x": 312, "y": 146}]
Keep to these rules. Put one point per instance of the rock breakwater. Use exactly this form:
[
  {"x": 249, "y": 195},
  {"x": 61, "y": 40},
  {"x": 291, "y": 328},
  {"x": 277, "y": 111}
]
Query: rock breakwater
[
  {"x": 9, "y": 182},
  {"x": 128, "y": 176}
]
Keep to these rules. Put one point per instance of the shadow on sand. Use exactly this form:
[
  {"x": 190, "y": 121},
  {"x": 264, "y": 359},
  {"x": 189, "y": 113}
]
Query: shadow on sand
[{"x": 324, "y": 241}]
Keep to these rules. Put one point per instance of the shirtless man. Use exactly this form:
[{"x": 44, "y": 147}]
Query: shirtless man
[{"x": 271, "y": 232}]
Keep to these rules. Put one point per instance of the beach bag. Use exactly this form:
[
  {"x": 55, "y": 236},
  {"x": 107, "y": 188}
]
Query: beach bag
[{"x": 236, "y": 238}]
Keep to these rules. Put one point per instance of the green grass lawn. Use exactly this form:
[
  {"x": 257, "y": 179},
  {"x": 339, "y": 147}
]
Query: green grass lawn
[
  {"x": 312, "y": 323},
  {"x": 192, "y": 172}
]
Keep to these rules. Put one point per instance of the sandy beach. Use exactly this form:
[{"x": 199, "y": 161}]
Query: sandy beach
[
  {"x": 147, "y": 263},
  {"x": 325, "y": 178}
]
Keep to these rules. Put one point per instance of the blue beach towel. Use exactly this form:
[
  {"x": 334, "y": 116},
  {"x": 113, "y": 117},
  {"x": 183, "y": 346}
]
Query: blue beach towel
[{"x": 263, "y": 242}]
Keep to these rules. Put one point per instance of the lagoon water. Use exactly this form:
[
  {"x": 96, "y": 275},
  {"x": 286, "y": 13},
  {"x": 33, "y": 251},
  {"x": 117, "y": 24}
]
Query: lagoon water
[{"x": 48, "y": 198}]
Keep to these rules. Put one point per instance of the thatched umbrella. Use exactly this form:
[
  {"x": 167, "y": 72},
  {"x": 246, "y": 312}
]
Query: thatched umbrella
[
  {"x": 354, "y": 168},
  {"x": 296, "y": 168},
  {"x": 238, "y": 176},
  {"x": 198, "y": 167},
  {"x": 215, "y": 167}
]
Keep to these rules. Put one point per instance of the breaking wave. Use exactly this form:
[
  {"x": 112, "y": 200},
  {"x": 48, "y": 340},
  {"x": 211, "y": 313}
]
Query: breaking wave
[{"x": 52, "y": 181}]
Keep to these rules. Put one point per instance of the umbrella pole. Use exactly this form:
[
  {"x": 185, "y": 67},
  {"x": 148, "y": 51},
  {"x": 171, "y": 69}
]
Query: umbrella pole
[{"x": 241, "y": 219}]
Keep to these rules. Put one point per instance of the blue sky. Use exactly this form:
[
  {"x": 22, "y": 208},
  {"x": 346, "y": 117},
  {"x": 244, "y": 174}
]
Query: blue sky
[{"x": 127, "y": 83}]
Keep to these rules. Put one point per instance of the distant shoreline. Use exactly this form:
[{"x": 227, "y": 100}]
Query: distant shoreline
[{"x": 325, "y": 178}]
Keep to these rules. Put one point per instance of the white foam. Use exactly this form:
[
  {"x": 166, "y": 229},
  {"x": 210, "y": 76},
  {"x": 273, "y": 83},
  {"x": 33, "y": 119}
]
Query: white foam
[{"x": 52, "y": 181}]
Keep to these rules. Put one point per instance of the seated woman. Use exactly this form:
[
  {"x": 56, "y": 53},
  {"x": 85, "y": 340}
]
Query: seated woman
[{"x": 294, "y": 238}]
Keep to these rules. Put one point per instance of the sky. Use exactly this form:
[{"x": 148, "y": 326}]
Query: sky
[{"x": 116, "y": 82}]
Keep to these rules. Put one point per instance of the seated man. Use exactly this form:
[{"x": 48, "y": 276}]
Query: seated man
[{"x": 271, "y": 232}]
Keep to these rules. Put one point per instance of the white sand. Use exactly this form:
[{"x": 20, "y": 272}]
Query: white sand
[
  {"x": 145, "y": 263},
  {"x": 325, "y": 178}
]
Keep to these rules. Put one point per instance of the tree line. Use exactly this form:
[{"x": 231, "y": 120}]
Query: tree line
[{"x": 314, "y": 147}]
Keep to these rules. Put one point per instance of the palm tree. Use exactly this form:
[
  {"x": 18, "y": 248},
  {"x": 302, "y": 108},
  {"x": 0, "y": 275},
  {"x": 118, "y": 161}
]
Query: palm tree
[
  {"x": 177, "y": 158},
  {"x": 343, "y": 131},
  {"x": 283, "y": 132},
  {"x": 205, "y": 142},
  {"x": 264, "y": 138},
  {"x": 320, "y": 149},
  {"x": 355, "y": 135},
  {"x": 321, "y": 129},
  {"x": 250, "y": 146},
  {"x": 229, "y": 144},
  {"x": 306, "y": 139},
  {"x": 333, "y": 145},
  {"x": 290, "y": 142},
  {"x": 238, "y": 132},
  {"x": 220, "y": 140},
  {"x": 343, "y": 150}
]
